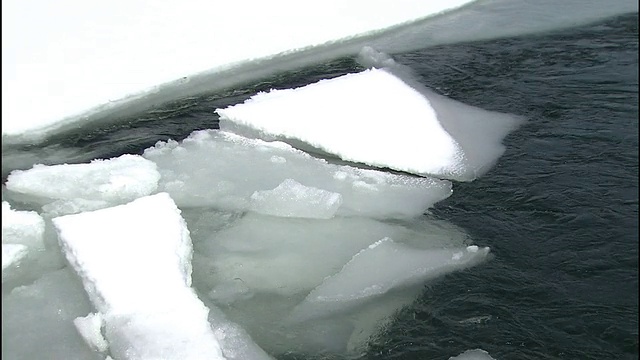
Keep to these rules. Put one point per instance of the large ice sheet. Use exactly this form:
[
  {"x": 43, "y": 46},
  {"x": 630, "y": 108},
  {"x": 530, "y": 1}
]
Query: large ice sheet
[
  {"x": 135, "y": 264},
  {"x": 376, "y": 118},
  {"x": 69, "y": 189},
  {"x": 75, "y": 56},
  {"x": 227, "y": 171}
]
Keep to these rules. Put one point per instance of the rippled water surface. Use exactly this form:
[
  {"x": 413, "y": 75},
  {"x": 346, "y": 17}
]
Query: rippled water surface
[{"x": 560, "y": 209}]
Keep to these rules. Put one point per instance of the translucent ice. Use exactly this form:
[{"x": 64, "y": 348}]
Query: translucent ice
[{"x": 227, "y": 171}]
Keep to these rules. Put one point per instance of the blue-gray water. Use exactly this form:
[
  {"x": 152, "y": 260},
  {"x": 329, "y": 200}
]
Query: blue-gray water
[{"x": 559, "y": 211}]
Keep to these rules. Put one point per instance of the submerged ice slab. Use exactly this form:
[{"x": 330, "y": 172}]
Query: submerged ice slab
[
  {"x": 376, "y": 118},
  {"x": 272, "y": 274},
  {"x": 227, "y": 171},
  {"x": 262, "y": 251},
  {"x": 68, "y": 189},
  {"x": 379, "y": 268},
  {"x": 135, "y": 264},
  {"x": 37, "y": 319}
]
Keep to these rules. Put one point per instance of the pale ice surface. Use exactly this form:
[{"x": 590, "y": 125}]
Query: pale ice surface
[
  {"x": 376, "y": 118},
  {"x": 217, "y": 168},
  {"x": 11, "y": 255},
  {"x": 149, "y": 309},
  {"x": 75, "y": 188}
]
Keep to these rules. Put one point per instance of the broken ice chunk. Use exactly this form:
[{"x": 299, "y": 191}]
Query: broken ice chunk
[{"x": 292, "y": 199}]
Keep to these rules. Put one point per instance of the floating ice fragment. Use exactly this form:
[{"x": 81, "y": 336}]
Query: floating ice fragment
[
  {"x": 22, "y": 227},
  {"x": 476, "y": 354},
  {"x": 84, "y": 187},
  {"x": 394, "y": 125},
  {"x": 39, "y": 319},
  {"x": 364, "y": 276},
  {"x": 90, "y": 328},
  {"x": 292, "y": 199},
  {"x": 138, "y": 276}
]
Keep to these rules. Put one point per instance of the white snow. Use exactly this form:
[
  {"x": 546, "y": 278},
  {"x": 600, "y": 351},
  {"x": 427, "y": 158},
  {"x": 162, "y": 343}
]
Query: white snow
[
  {"x": 224, "y": 170},
  {"x": 75, "y": 188},
  {"x": 149, "y": 308}
]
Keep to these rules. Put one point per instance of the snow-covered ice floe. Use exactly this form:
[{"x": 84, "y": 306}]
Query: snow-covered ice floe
[
  {"x": 376, "y": 118},
  {"x": 135, "y": 264}
]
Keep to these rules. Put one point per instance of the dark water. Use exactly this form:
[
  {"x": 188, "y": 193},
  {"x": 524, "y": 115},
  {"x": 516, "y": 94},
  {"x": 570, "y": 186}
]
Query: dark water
[{"x": 560, "y": 209}]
